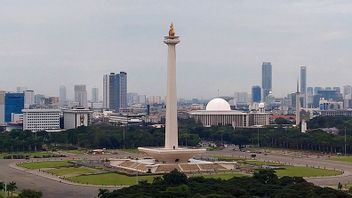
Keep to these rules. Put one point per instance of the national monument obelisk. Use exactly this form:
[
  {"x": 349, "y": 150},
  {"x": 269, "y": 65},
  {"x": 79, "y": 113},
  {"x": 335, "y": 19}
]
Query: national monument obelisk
[
  {"x": 171, "y": 153},
  {"x": 171, "y": 128}
]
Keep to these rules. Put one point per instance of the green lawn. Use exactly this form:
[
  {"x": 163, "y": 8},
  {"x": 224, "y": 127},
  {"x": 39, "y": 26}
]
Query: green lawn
[
  {"x": 260, "y": 163},
  {"x": 4, "y": 194},
  {"x": 342, "y": 158},
  {"x": 30, "y": 154},
  {"x": 227, "y": 158},
  {"x": 72, "y": 171},
  {"x": 45, "y": 164},
  {"x": 76, "y": 152},
  {"x": 299, "y": 171},
  {"x": 225, "y": 176},
  {"x": 109, "y": 179}
]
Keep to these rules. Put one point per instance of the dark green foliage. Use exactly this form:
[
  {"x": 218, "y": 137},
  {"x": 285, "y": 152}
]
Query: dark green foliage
[
  {"x": 175, "y": 178},
  {"x": 263, "y": 184},
  {"x": 96, "y": 136},
  {"x": 30, "y": 194},
  {"x": 281, "y": 121},
  {"x": 339, "y": 122},
  {"x": 266, "y": 176}
]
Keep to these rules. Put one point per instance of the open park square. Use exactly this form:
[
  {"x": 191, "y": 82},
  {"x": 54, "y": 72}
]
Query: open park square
[{"x": 80, "y": 175}]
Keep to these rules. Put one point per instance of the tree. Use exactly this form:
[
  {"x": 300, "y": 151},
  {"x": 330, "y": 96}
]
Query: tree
[
  {"x": 339, "y": 186},
  {"x": 266, "y": 176},
  {"x": 103, "y": 193},
  {"x": 27, "y": 193},
  {"x": 2, "y": 186},
  {"x": 11, "y": 187},
  {"x": 175, "y": 178}
]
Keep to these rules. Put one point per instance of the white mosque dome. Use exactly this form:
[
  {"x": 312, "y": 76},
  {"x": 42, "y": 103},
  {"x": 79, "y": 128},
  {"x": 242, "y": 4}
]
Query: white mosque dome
[{"x": 218, "y": 104}]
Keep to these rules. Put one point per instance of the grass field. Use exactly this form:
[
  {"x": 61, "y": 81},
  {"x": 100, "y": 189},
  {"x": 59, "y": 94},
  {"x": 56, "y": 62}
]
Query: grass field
[
  {"x": 225, "y": 176},
  {"x": 260, "y": 163},
  {"x": 342, "y": 158},
  {"x": 76, "y": 152},
  {"x": 30, "y": 154},
  {"x": 109, "y": 179},
  {"x": 227, "y": 158},
  {"x": 4, "y": 194},
  {"x": 72, "y": 171},
  {"x": 299, "y": 171},
  {"x": 45, "y": 164}
]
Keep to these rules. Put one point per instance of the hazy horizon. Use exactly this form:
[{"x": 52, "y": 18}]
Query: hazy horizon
[{"x": 45, "y": 44}]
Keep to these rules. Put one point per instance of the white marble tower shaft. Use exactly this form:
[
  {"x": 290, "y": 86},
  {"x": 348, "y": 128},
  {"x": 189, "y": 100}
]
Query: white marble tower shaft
[{"x": 171, "y": 128}]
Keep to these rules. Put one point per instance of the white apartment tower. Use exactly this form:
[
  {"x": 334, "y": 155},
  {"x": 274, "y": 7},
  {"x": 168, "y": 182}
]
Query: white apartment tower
[
  {"x": 81, "y": 95},
  {"x": 62, "y": 95}
]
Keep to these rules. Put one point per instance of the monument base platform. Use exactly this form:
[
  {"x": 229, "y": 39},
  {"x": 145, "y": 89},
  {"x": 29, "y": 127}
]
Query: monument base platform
[
  {"x": 163, "y": 155},
  {"x": 149, "y": 166}
]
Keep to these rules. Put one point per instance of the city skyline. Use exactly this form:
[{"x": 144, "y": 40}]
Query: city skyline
[{"x": 36, "y": 38}]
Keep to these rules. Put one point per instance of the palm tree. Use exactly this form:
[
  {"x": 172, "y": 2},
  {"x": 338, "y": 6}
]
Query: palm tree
[
  {"x": 2, "y": 186},
  {"x": 11, "y": 187},
  {"x": 103, "y": 193}
]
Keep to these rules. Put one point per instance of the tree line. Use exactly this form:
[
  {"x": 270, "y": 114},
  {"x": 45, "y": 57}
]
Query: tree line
[
  {"x": 95, "y": 136},
  {"x": 190, "y": 134}
]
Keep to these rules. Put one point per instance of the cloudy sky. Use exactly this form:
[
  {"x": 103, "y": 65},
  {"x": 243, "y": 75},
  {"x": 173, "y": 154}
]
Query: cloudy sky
[{"x": 45, "y": 44}]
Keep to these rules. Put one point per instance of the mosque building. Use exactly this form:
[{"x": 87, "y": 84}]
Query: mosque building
[{"x": 218, "y": 112}]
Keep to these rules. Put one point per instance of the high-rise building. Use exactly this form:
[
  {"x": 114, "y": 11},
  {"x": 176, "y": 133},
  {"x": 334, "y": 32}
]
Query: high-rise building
[
  {"x": 132, "y": 98},
  {"x": 95, "y": 95},
  {"x": 256, "y": 93},
  {"x": 266, "y": 79},
  {"x": 347, "y": 92},
  {"x": 81, "y": 95},
  {"x": 154, "y": 100},
  {"x": 14, "y": 103},
  {"x": 142, "y": 99},
  {"x": 241, "y": 98},
  {"x": 20, "y": 89},
  {"x": 310, "y": 95},
  {"x": 317, "y": 89},
  {"x": 123, "y": 90},
  {"x": 39, "y": 99},
  {"x": 62, "y": 96},
  {"x": 338, "y": 89},
  {"x": 303, "y": 74},
  {"x": 2, "y": 107},
  {"x": 28, "y": 98},
  {"x": 115, "y": 91},
  {"x": 106, "y": 88}
]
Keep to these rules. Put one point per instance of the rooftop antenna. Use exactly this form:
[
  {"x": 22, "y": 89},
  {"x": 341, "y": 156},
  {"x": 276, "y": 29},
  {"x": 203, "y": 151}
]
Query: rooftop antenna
[{"x": 218, "y": 92}]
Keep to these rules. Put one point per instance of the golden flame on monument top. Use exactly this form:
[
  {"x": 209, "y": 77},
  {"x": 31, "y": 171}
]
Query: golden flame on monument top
[{"x": 171, "y": 30}]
